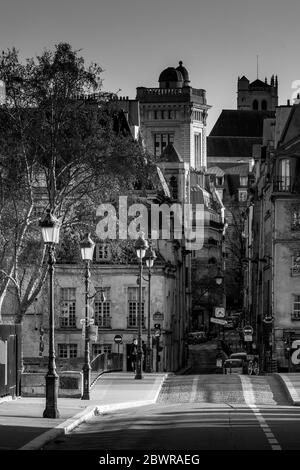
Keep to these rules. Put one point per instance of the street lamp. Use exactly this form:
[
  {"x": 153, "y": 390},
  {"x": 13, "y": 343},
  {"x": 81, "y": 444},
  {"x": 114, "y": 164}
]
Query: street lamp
[
  {"x": 87, "y": 249},
  {"x": 150, "y": 257},
  {"x": 141, "y": 246},
  {"x": 219, "y": 277},
  {"x": 50, "y": 232}
]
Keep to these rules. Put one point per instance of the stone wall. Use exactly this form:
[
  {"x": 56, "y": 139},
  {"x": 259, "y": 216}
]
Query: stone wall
[{"x": 70, "y": 384}]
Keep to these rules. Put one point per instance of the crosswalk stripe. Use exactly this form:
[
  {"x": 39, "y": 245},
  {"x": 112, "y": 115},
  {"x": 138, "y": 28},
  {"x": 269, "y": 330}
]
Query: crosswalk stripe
[{"x": 250, "y": 400}]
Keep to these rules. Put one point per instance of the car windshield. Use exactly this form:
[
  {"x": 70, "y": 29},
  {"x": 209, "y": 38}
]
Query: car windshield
[{"x": 233, "y": 363}]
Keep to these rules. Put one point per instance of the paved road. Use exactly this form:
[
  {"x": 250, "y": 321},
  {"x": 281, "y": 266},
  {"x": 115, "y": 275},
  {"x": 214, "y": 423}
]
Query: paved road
[{"x": 197, "y": 413}]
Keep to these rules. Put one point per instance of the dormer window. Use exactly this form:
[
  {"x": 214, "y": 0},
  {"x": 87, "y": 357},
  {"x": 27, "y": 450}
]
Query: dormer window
[
  {"x": 284, "y": 180},
  {"x": 243, "y": 180},
  {"x": 102, "y": 252}
]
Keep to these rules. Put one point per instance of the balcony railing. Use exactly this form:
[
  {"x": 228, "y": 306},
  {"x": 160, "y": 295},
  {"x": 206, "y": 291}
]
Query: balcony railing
[
  {"x": 132, "y": 322},
  {"x": 282, "y": 184}
]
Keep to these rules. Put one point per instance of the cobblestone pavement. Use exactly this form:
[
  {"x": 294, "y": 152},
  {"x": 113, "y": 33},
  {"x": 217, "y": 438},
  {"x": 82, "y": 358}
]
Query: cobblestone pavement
[
  {"x": 215, "y": 388},
  {"x": 203, "y": 412}
]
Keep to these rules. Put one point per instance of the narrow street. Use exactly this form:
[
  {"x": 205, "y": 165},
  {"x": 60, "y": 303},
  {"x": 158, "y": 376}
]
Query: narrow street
[{"x": 197, "y": 412}]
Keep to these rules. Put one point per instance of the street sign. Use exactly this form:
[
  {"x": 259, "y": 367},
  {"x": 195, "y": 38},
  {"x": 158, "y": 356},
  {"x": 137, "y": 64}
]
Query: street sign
[
  {"x": 248, "y": 330},
  {"x": 248, "y": 338},
  {"x": 219, "y": 312},
  {"x": 218, "y": 320},
  {"x": 118, "y": 339},
  {"x": 158, "y": 316},
  {"x": 157, "y": 333},
  {"x": 90, "y": 321}
]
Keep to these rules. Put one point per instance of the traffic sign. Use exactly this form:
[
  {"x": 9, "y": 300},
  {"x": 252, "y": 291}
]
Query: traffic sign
[
  {"x": 157, "y": 333},
  {"x": 248, "y": 337},
  {"x": 118, "y": 339},
  {"x": 219, "y": 312},
  {"x": 248, "y": 330},
  {"x": 268, "y": 319},
  {"x": 218, "y": 320}
]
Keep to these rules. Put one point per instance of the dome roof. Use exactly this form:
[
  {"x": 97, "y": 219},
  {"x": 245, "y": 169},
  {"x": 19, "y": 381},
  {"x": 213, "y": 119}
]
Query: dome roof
[
  {"x": 183, "y": 72},
  {"x": 170, "y": 75}
]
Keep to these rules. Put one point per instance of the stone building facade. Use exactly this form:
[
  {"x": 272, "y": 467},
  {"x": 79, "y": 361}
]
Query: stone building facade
[{"x": 273, "y": 241}]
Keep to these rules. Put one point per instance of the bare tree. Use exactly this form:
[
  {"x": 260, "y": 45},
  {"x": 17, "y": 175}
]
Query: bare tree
[{"x": 59, "y": 149}]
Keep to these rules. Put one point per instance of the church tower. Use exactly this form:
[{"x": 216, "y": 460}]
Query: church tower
[
  {"x": 175, "y": 113},
  {"x": 258, "y": 95}
]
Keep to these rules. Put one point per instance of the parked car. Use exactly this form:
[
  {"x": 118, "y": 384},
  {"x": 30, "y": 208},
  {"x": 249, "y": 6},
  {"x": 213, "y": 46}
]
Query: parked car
[
  {"x": 233, "y": 366},
  {"x": 197, "y": 337},
  {"x": 250, "y": 362},
  {"x": 244, "y": 357}
]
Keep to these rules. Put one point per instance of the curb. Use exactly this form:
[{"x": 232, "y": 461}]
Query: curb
[
  {"x": 88, "y": 413},
  {"x": 293, "y": 396},
  {"x": 7, "y": 398}
]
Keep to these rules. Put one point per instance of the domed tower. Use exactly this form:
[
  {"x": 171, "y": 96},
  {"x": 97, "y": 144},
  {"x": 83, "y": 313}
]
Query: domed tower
[
  {"x": 175, "y": 113},
  {"x": 170, "y": 78}
]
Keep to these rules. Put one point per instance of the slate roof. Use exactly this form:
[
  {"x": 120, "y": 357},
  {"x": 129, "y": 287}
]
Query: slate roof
[
  {"x": 241, "y": 170},
  {"x": 215, "y": 170},
  {"x": 259, "y": 84},
  {"x": 170, "y": 154},
  {"x": 231, "y": 146},
  {"x": 240, "y": 123}
]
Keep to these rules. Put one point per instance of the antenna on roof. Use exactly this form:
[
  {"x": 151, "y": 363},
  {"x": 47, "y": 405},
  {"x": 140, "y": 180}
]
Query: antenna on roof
[{"x": 257, "y": 66}]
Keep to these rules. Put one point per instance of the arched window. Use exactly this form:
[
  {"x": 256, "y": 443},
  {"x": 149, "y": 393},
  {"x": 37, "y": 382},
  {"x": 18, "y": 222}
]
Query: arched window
[
  {"x": 264, "y": 105},
  {"x": 255, "y": 105}
]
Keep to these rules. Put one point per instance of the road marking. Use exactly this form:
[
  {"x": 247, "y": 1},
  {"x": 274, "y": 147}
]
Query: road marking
[
  {"x": 194, "y": 389},
  {"x": 249, "y": 397}
]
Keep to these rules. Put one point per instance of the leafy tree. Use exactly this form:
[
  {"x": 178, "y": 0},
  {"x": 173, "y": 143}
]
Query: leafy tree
[{"x": 60, "y": 148}]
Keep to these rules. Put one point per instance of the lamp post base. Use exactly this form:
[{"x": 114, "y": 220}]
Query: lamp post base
[
  {"x": 51, "y": 410},
  {"x": 86, "y": 383}
]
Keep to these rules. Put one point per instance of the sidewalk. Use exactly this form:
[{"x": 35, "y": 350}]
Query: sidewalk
[
  {"x": 291, "y": 384},
  {"x": 22, "y": 426}
]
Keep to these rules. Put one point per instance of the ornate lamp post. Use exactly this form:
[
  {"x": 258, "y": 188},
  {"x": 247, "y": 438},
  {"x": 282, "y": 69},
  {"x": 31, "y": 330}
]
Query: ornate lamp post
[
  {"x": 141, "y": 246},
  {"x": 50, "y": 231},
  {"x": 219, "y": 278},
  {"x": 150, "y": 257},
  {"x": 87, "y": 249}
]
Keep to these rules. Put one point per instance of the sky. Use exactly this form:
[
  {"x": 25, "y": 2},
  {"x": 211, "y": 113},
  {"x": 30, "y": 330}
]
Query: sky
[{"x": 134, "y": 40}]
